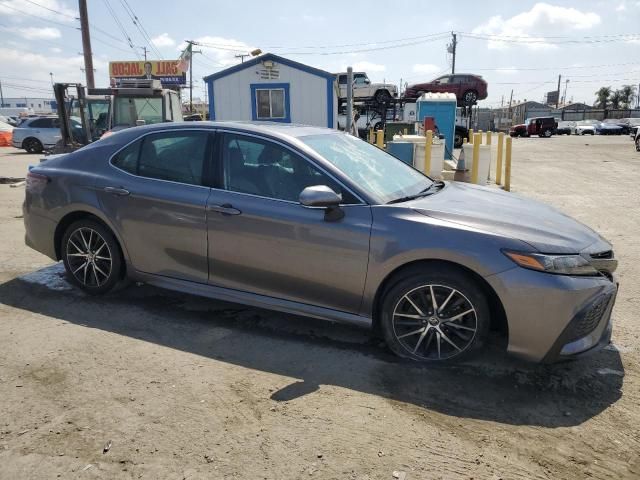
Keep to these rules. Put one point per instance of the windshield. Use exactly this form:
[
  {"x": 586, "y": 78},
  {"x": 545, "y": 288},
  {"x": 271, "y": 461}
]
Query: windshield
[
  {"x": 130, "y": 109},
  {"x": 382, "y": 176}
]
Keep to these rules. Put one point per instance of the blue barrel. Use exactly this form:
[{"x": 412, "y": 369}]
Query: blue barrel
[{"x": 401, "y": 150}]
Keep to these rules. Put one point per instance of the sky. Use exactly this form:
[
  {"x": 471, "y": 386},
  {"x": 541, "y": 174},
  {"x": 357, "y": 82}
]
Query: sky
[{"x": 516, "y": 46}]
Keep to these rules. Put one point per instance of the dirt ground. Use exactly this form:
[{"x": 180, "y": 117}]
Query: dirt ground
[{"x": 185, "y": 387}]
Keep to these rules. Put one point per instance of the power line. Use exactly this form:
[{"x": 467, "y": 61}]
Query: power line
[
  {"x": 121, "y": 27},
  {"x": 138, "y": 23},
  {"x": 4, "y": 5},
  {"x": 51, "y": 10},
  {"x": 532, "y": 40}
]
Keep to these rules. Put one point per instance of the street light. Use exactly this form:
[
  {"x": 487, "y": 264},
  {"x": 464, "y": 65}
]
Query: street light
[{"x": 51, "y": 75}]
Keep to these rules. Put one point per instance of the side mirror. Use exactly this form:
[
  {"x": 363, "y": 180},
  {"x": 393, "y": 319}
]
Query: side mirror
[{"x": 319, "y": 196}]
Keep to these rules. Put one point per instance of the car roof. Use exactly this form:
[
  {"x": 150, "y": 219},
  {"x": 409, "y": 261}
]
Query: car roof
[{"x": 274, "y": 129}]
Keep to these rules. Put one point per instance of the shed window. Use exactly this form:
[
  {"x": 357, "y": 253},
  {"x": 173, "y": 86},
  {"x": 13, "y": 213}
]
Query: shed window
[{"x": 270, "y": 103}]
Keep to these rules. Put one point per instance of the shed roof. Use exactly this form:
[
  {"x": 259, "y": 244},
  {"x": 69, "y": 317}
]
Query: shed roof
[{"x": 275, "y": 58}]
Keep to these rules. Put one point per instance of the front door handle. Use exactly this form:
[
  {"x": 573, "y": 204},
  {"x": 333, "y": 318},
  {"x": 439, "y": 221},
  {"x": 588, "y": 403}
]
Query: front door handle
[
  {"x": 119, "y": 191},
  {"x": 225, "y": 209}
]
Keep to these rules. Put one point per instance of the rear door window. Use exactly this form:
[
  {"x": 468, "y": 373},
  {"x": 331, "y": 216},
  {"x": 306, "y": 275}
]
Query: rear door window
[{"x": 180, "y": 156}]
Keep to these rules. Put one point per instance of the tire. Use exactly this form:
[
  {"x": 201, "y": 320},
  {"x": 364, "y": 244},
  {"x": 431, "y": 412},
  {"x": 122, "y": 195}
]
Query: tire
[
  {"x": 412, "y": 331},
  {"x": 638, "y": 144},
  {"x": 470, "y": 97},
  {"x": 32, "y": 145},
  {"x": 98, "y": 272},
  {"x": 546, "y": 134},
  {"x": 382, "y": 96}
]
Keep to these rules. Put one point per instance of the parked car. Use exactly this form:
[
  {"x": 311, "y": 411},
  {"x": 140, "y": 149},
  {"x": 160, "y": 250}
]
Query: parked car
[
  {"x": 634, "y": 123},
  {"x": 6, "y": 133},
  {"x": 604, "y": 128},
  {"x": 541, "y": 126},
  {"x": 8, "y": 120},
  {"x": 468, "y": 88},
  {"x": 623, "y": 123},
  {"x": 364, "y": 89},
  {"x": 584, "y": 127},
  {"x": 316, "y": 222},
  {"x": 34, "y": 134},
  {"x": 637, "y": 139},
  {"x": 565, "y": 128}
]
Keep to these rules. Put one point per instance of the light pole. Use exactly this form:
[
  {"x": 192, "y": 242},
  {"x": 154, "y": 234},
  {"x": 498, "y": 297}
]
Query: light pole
[{"x": 51, "y": 75}]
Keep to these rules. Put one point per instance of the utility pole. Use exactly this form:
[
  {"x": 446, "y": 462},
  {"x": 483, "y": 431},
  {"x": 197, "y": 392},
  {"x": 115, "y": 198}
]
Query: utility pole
[
  {"x": 144, "y": 49},
  {"x": 191, "y": 44},
  {"x": 349, "y": 112},
  {"x": 452, "y": 50},
  {"x": 510, "y": 100},
  {"x": 241, "y": 56},
  {"x": 558, "y": 92},
  {"x": 86, "y": 43},
  {"x": 1, "y": 96},
  {"x": 564, "y": 95}
]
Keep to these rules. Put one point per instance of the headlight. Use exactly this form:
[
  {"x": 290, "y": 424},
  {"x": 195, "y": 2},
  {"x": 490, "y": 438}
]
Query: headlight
[{"x": 559, "y": 264}]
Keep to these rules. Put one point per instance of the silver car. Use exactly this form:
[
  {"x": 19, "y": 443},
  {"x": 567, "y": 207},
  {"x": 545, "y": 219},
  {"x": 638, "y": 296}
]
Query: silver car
[{"x": 318, "y": 223}]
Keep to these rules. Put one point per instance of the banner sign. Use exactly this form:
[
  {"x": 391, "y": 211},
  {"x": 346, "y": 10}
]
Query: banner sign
[{"x": 167, "y": 71}]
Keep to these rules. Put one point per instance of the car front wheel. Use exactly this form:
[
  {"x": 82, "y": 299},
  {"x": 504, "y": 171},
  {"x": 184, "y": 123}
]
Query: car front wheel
[
  {"x": 435, "y": 316},
  {"x": 638, "y": 144},
  {"x": 91, "y": 256}
]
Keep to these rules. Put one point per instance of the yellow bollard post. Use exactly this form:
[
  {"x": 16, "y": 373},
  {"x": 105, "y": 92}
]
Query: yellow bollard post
[
  {"x": 427, "y": 153},
  {"x": 380, "y": 138},
  {"x": 471, "y": 135},
  {"x": 406, "y": 131},
  {"x": 489, "y": 137},
  {"x": 476, "y": 157},
  {"x": 372, "y": 136},
  {"x": 507, "y": 166},
  {"x": 465, "y": 140},
  {"x": 499, "y": 159},
  {"x": 480, "y": 132}
]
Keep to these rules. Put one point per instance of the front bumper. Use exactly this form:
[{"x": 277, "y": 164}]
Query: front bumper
[{"x": 553, "y": 317}]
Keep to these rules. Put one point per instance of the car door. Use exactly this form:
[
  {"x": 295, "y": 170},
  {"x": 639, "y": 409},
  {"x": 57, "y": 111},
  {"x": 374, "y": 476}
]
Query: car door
[
  {"x": 156, "y": 196},
  {"x": 47, "y": 130},
  {"x": 262, "y": 240}
]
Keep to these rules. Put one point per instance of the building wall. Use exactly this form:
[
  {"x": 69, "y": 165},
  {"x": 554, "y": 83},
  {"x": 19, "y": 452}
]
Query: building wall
[
  {"x": 307, "y": 95},
  {"x": 38, "y": 105}
]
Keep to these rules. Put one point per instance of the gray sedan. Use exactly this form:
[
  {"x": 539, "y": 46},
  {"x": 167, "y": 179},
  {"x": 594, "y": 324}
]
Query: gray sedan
[{"x": 318, "y": 223}]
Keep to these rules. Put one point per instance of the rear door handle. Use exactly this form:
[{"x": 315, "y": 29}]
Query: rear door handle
[
  {"x": 119, "y": 191},
  {"x": 225, "y": 209}
]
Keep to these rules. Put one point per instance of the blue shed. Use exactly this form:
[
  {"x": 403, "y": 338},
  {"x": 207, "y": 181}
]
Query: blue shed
[
  {"x": 273, "y": 88},
  {"x": 442, "y": 107}
]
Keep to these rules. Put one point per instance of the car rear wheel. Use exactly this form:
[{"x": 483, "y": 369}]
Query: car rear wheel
[
  {"x": 470, "y": 97},
  {"x": 91, "y": 256},
  {"x": 435, "y": 316},
  {"x": 32, "y": 145},
  {"x": 382, "y": 96},
  {"x": 638, "y": 144}
]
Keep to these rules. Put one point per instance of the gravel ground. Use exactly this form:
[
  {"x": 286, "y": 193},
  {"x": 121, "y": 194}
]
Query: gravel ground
[{"x": 145, "y": 383}]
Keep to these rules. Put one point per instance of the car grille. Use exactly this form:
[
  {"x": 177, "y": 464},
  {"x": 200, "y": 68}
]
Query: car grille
[{"x": 586, "y": 321}]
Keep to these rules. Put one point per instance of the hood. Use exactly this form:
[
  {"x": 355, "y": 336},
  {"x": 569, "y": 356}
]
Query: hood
[{"x": 507, "y": 214}]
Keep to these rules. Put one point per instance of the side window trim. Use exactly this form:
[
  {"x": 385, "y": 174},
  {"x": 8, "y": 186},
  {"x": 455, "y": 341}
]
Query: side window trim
[
  {"x": 219, "y": 184},
  {"x": 209, "y": 157}
]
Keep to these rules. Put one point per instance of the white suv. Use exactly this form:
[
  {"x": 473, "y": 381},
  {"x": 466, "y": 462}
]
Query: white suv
[{"x": 364, "y": 89}]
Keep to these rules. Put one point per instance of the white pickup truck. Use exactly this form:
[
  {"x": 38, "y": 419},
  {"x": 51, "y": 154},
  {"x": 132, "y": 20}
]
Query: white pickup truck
[{"x": 364, "y": 89}]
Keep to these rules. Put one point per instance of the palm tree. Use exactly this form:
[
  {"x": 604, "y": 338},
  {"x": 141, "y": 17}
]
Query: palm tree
[
  {"x": 615, "y": 99},
  {"x": 627, "y": 96},
  {"x": 602, "y": 96}
]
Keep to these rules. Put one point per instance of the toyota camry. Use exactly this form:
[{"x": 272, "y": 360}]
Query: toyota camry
[{"x": 318, "y": 223}]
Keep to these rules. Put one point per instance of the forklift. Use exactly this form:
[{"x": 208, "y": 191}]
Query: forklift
[{"x": 87, "y": 114}]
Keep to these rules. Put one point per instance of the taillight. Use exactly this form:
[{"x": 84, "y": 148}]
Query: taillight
[{"x": 36, "y": 182}]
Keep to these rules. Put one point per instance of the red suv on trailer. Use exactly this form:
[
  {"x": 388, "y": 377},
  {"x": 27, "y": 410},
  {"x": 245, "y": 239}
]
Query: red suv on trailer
[{"x": 468, "y": 88}]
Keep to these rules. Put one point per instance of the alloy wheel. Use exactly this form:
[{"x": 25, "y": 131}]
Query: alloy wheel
[
  {"x": 89, "y": 257},
  {"x": 435, "y": 322},
  {"x": 470, "y": 98}
]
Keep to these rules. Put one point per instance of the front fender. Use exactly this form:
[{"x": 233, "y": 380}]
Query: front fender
[{"x": 400, "y": 237}]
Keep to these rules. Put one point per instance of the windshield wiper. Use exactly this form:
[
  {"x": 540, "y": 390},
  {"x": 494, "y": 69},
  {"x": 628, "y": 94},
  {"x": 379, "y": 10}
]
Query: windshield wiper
[{"x": 422, "y": 193}]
